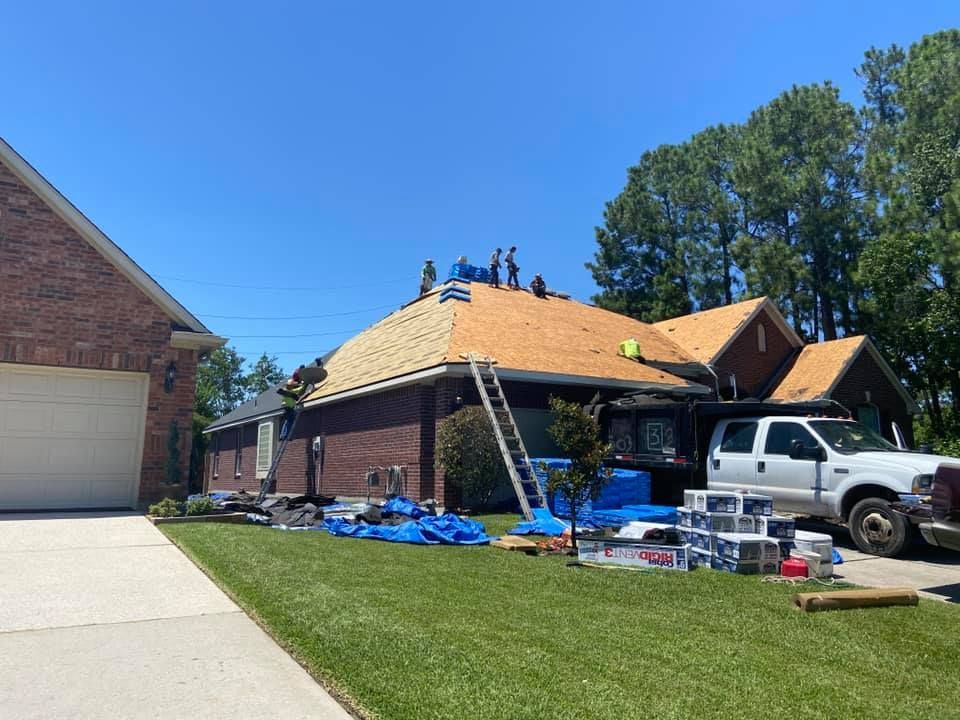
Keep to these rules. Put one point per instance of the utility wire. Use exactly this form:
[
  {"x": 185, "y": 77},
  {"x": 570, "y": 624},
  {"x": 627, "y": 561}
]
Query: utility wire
[
  {"x": 299, "y": 317},
  {"x": 304, "y": 335},
  {"x": 285, "y": 287}
]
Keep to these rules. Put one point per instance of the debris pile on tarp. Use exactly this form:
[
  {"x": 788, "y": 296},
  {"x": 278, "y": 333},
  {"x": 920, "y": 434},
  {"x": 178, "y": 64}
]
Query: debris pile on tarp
[{"x": 447, "y": 529}]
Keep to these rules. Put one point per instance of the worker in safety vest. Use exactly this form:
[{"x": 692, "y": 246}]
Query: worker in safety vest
[
  {"x": 428, "y": 276},
  {"x": 631, "y": 349},
  {"x": 290, "y": 396}
]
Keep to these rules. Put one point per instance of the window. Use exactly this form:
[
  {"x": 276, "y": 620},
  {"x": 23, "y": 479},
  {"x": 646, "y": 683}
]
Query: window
[
  {"x": 850, "y": 437},
  {"x": 216, "y": 455},
  {"x": 264, "y": 448},
  {"x": 869, "y": 415},
  {"x": 738, "y": 437},
  {"x": 782, "y": 435},
  {"x": 761, "y": 338},
  {"x": 238, "y": 456}
]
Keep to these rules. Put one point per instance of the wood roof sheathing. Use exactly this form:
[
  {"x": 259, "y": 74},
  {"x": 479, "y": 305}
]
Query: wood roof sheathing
[
  {"x": 817, "y": 369},
  {"x": 704, "y": 334},
  {"x": 413, "y": 338},
  {"x": 559, "y": 336}
]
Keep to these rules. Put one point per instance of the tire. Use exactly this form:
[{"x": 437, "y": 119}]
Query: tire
[{"x": 877, "y": 530}]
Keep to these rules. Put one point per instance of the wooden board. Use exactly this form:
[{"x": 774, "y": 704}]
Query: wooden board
[{"x": 516, "y": 543}]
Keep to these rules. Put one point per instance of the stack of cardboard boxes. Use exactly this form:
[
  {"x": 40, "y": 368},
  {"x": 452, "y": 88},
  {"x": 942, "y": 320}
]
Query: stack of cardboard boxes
[{"x": 734, "y": 532}]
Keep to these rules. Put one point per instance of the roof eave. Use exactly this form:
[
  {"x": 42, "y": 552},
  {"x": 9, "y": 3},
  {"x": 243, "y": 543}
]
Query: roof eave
[{"x": 186, "y": 340}]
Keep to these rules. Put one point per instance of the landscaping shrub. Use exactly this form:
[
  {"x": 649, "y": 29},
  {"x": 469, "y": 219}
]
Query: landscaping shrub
[
  {"x": 168, "y": 507},
  {"x": 200, "y": 506},
  {"x": 467, "y": 451}
]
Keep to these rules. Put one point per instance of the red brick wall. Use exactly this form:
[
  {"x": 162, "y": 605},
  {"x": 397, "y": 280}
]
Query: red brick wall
[
  {"x": 63, "y": 304},
  {"x": 865, "y": 375},
  {"x": 743, "y": 359}
]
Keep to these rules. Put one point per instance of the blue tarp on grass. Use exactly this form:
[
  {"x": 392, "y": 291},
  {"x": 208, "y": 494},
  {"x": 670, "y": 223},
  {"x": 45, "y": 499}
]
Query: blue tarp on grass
[
  {"x": 444, "y": 530},
  {"x": 404, "y": 506},
  {"x": 543, "y": 523}
]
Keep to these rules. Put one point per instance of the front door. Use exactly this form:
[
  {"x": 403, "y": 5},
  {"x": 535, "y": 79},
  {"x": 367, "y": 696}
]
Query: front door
[{"x": 796, "y": 485}]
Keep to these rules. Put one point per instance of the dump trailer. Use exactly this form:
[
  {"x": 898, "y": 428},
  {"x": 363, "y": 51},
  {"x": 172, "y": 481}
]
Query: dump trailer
[{"x": 668, "y": 435}]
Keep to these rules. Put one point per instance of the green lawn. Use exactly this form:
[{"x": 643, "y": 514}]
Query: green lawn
[{"x": 475, "y": 632}]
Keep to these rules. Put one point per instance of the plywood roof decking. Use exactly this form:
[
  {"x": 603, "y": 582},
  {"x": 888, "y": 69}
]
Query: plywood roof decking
[
  {"x": 553, "y": 335},
  {"x": 520, "y": 331},
  {"x": 704, "y": 333},
  {"x": 413, "y": 338},
  {"x": 816, "y": 369}
]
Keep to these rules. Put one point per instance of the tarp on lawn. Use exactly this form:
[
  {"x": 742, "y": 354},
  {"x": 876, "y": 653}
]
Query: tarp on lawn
[
  {"x": 543, "y": 523},
  {"x": 444, "y": 530},
  {"x": 404, "y": 506}
]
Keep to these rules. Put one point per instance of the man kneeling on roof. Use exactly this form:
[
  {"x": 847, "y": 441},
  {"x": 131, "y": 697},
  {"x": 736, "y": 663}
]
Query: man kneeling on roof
[
  {"x": 538, "y": 286},
  {"x": 290, "y": 395}
]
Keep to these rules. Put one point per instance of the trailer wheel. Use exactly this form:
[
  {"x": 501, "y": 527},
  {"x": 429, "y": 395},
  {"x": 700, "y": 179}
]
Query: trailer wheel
[{"x": 877, "y": 530}]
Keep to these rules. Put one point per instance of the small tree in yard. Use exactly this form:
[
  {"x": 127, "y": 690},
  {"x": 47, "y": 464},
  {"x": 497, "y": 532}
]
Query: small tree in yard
[
  {"x": 578, "y": 437},
  {"x": 467, "y": 451}
]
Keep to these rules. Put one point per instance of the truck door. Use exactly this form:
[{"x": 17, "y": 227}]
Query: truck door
[
  {"x": 731, "y": 465},
  {"x": 796, "y": 485}
]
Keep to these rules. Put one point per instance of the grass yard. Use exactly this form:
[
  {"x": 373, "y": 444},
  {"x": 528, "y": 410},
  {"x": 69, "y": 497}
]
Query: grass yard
[{"x": 419, "y": 632}]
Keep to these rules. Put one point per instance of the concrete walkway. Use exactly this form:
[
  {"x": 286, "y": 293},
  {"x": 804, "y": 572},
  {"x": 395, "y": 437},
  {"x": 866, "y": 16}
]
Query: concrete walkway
[{"x": 102, "y": 617}]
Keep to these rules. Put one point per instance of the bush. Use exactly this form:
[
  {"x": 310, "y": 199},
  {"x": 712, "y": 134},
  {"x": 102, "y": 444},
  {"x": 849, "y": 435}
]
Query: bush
[
  {"x": 200, "y": 506},
  {"x": 168, "y": 507},
  {"x": 467, "y": 451}
]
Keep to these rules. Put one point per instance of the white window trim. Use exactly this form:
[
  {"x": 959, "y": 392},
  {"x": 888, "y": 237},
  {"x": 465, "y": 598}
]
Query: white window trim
[
  {"x": 263, "y": 462},
  {"x": 761, "y": 338},
  {"x": 238, "y": 454},
  {"x": 216, "y": 456}
]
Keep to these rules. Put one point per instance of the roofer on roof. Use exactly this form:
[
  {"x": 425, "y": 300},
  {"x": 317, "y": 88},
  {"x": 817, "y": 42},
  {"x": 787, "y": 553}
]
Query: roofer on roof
[
  {"x": 538, "y": 286},
  {"x": 495, "y": 268},
  {"x": 512, "y": 269},
  {"x": 428, "y": 276}
]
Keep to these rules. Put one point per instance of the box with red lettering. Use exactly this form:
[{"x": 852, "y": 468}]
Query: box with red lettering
[{"x": 609, "y": 551}]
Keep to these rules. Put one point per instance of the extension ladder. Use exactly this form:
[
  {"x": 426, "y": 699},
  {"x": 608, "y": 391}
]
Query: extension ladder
[
  {"x": 522, "y": 476},
  {"x": 281, "y": 447}
]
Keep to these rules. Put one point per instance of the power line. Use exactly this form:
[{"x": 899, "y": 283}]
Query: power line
[
  {"x": 298, "y": 317},
  {"x": 285, "y": 287},
  {"x": 304, "y": 335}
]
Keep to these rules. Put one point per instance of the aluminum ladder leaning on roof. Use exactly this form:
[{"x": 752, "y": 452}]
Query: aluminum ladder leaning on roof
[
  {"x": 312, "y": 376},
  {"x": 514, "y": 453}
]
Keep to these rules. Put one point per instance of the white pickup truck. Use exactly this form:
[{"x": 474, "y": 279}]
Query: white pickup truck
[{"x": 829, "y": 468}]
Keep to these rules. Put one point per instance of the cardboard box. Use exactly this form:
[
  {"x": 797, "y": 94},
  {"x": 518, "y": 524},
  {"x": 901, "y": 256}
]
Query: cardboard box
[
  {"x": 637, "y": 555},
  {"x": 701, "y": 558},
  {"x": 684, "y": 517},
  {"x": 701, "y": 539},
  {"x": 775, "y": 526},
  {"x": 710, "y": 500},
  {"x": 753, "y": 504},
  {"x": 747, "y": 548},
  {"x": 722, "y": 522},
  {"x": 765, "y": 567}
]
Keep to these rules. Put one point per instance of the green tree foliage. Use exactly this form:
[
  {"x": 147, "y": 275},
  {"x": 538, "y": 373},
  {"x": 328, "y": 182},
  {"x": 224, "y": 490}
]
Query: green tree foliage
[
  {"x": 467, "y": 451},
  {"x": 848, "y": 219},
  {"x": 578, "y": 437},
  {"x": 221, "y": 383},
  {"x": 264, "y": 374}
]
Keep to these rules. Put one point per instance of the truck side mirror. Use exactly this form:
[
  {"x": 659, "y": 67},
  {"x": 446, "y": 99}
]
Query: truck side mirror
[{"x": 799, "y": 451}]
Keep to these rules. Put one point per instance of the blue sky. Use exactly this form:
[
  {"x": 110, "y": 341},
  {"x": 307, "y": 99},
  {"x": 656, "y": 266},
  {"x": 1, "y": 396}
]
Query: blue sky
[{"x": 332, "y": 147}]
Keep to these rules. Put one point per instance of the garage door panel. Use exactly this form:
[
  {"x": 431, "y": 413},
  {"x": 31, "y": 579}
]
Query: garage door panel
[
  {"x": 69, "y": 438},
  {"x": 117, "y": 421},
  {"x": 73, "y": 419},
  {"x": 27, "y": 417}
]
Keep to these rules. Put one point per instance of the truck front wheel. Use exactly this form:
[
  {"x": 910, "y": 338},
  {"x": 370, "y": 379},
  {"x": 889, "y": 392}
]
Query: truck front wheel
[{"x": 877, "y": 529}]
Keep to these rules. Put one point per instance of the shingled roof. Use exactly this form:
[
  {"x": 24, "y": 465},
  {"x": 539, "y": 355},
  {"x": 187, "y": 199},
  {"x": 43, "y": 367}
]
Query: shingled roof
[
  {"x": 705, "y": 335},
  {"x": 547, "y": 340}
]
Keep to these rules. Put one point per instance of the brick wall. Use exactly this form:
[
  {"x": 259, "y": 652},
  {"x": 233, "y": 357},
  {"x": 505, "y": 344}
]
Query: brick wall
[
  {"x": 864, "y": 376},
  {"x": 63, "y": 304},
  {"x": 743, "y": 359}
]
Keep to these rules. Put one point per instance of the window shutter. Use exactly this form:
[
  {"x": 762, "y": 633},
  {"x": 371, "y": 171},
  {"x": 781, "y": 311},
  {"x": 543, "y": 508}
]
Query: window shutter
[{"x": 264, "y": 448}]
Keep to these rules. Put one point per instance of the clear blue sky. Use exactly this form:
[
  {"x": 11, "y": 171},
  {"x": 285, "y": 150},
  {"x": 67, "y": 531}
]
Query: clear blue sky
[{"x": 325, "y": 145}]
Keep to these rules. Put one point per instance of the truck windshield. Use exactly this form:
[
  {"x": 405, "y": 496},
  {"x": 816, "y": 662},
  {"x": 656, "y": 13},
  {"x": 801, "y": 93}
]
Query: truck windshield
[{"x": 850, "y": 437}]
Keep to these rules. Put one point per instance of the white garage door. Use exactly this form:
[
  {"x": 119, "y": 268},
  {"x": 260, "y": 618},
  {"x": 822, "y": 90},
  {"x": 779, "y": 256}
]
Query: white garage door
[{"x": 70, "y": 438}]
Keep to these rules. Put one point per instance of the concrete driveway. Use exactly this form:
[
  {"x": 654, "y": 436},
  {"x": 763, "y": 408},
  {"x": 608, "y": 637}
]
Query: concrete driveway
[
  {"x": 102, "y": 617},
  {"x": 935, "y": 573}
]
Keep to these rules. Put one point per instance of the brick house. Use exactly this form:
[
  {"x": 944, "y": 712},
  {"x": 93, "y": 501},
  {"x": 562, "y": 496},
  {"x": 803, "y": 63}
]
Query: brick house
[
  {"x": 97, "y": 361},
  {"x": 755, "y": 353},
  {"x": 390, "y": 386}
]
